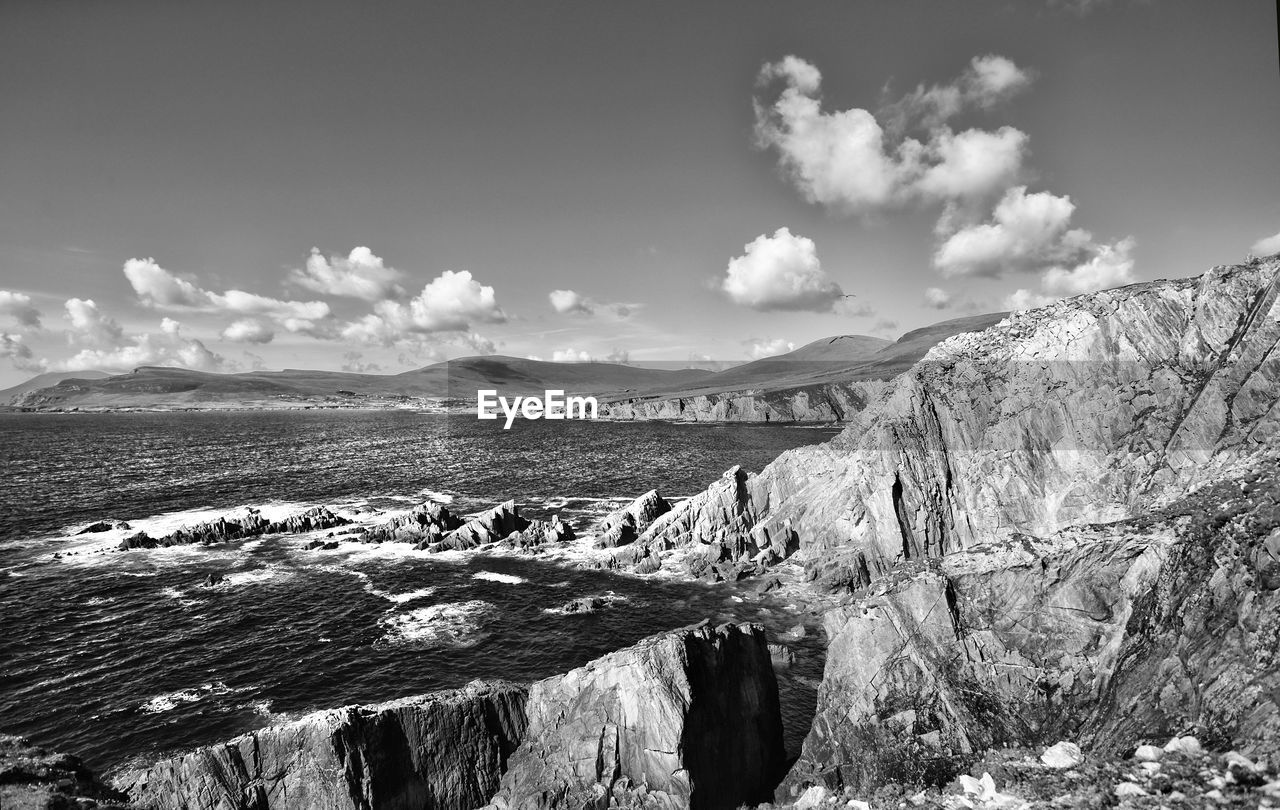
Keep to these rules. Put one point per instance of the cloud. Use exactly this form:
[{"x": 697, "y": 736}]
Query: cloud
[
  {"x": 848, "y": 161},
  {"x": 90, "y": 326},
  {"x": 568, "y": 302},
  {"x": 19, "y": 307},
  {"x": 619, "y": 356},
  {"x": 936, "y": 298},
  {"x": 255, "y": 361},
  {"x": 450, "y": 302},
  {"x": 1026, "y": 232},
  {"x": 355, "y": 362},
  {"x": 158, "y": 288},
  {"x": 767, "y": 347},
  {"x": 123, "y": 352},
  {"x": 885, "y": 325},
  {"x": 571, "y": 356},
  {"x": 1108, "y": 266},
  {"x": 17, "y": 352},
  {"x": 248, "y": 330},
  {"x": 360, "y": 275},
  {"x": 780, "y": 272},
  {"x": 1267, "y": 246}
]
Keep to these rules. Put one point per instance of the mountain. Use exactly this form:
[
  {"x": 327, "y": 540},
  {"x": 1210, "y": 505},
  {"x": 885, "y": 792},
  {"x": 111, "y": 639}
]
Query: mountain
[
  {"x": 45, "y": 380},
  {"x": 829, "y": 380},
  {"x": 161, "y": 387}
]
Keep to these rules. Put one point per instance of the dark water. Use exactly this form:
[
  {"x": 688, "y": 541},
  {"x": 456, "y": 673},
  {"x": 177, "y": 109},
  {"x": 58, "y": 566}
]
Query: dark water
[{"x": 122, "y": 657}]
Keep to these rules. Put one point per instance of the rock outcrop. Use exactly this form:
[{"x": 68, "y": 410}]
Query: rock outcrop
[
  {"x": 487, "y": 527},
  {"x": 423, "y": 525},
  {"x": 684, "y": 719},
  {"x": 1145, "y": 628},
  {"x": 442, "y": 750},
  {"x": 250, "y": 524},
  {"x": 626, "y": 524},
  {"x": 1092, "y": 409},
  {"x": 35, "y": 778}
]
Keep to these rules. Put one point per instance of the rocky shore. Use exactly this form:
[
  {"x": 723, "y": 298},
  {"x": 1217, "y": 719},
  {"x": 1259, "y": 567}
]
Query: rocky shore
[{"x": 1046, "y": 551}]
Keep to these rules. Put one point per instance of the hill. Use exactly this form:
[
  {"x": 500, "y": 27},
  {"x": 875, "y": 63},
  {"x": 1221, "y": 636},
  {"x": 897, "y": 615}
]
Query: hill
[{"x": 45, "y": 380}]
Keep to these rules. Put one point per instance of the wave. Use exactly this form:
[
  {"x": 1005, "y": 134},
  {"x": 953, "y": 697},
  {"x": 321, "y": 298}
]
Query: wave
[
  {"x": 494, "y": 576},
  {"x": 172, "y": 700},
  {"x": 450, "y": 624}
]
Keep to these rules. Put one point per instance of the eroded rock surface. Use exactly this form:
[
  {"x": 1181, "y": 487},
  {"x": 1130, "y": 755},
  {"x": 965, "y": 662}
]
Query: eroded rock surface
[
  {"x": 684, "y": 719},
  {"x": 35, "y": 778},
  {"x": 626, "y": 524},
  {"x": 442, "y": 750},
  {"x": 250, "y": 524}
]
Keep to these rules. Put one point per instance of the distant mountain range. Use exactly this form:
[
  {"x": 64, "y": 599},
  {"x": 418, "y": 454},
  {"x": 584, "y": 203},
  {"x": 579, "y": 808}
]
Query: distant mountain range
[{"x": 834, "y": 359}]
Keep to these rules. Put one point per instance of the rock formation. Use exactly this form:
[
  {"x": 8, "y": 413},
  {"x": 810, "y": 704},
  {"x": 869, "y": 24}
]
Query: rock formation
[
  {"x": 487, "y": 527},
  {"x": 1092, "y": 409},
  {"x": 34, "y": 778},
  {"x": 684, "y": 719},
  {"x": 626, "y": 524},
  {"x": 832, "y": 402},
  {"x": 251, "y": 524},
  {"x": 442, "y": 750},
  {"x": 688, "y": 718},
  {"x": 423, "y": 525}
]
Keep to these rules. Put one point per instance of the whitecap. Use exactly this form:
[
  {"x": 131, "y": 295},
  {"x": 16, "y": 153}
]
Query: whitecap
[
  {"x": 400, "y": 598},
  {"x": 494, "y": 576},
  {"x": 451, "y": 624},
  {"x": 172, "y": 700}
]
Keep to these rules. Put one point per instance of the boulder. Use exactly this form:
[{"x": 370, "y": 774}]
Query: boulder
[
  {"x": 441, "y": 750},
  {"x": 684, "y": 719}
]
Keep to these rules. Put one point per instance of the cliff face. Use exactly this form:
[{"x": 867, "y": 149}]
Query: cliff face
[
  {"x": 833, "y": 402},
  {"x": 686, "y": 719},
  {"x": 1093, "y": 409},
  {"x": 34, "y": 778},
  {"x": 1148, "y": 628},
  {"x": 442, "y": 750}
]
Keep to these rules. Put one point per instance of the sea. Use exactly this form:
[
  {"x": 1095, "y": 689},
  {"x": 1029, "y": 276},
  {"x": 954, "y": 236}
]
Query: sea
[{"x": 126, "y": 657}]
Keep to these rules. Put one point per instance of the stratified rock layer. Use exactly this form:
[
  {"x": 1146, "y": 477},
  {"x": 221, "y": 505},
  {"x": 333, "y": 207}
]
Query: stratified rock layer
[
  {"x": 685, "y": 719},
  {"x": 1095, "y": 408},
  {"x": 442, "y": 750}
]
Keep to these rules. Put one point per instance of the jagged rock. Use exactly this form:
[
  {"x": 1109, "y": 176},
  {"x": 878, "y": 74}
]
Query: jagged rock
[
  {"x": 314, "y": 519},
  {"x": 834, "y": 402},
  {"x": 424, "y": 524},
  {"x": 783, "y": 657},
  {"x": 34, "y": 778},
  {"x": 321, "y": 545},
  {"x": 626, "y": 524},
  {"x": 538, "y": 534},
  {"x": 139, "y": 540},
  {"x": 212, "y": 581},
  {"x": 584, "y": 604},
  {"x": 487, "y": 527},
  {"x": 684, "y": 719},
  {"x": 1099, "y": 633},
  {"x": 104, "y": 526},
  {"x": 442, "y": 750},
  {"x": 1092, "y": 409}
]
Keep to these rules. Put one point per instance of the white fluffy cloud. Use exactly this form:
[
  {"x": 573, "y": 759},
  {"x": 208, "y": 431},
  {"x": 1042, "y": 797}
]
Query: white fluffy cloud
[
  {"x": 937, "y": 298},
  {"x": 157, "y": 287},
  {"x": 450, "y": 302},
  {"x": 780, "y": 272},
  {"x": 248, "y": 330},
  {"x": 847, "y": 161},
  {"x": 767, "y": 347},
  {"x": 1267, "y": 246},
  {"x": 359, "y": 275},
  {"x": 107, "y": 347},
  {"x": 571, "y": 356},
  {"x": 1026, "y": 232},
  {"x": 18, "y": 306}
]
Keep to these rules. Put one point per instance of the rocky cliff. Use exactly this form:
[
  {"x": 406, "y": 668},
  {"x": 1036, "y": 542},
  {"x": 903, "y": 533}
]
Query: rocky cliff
[
  {"x": 832, "y": 402},
  {"x": 688, "y": 718},
  {"x": 35, "y": 778},
  {"x": 685, "y": 719},
  {"x": 1093, "y": 409},
  {"x": 442, "y": 750}
]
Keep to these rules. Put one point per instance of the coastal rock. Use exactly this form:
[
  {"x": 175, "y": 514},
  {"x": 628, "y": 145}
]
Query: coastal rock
[
  {"x": 442, "y": 750},
  {"x": 833, "y": 402},
  {"x": 34, "y": 778},
  {"x": 584, "y": 604},
  {"x": 539, "y": 534},
  {"x": 487, "y": 527},
  {"x": 250, "y": 524},
  {"x": 684, "y": 719},
  {"x": 1098, "y": 633},
  {"x": 139, "y": 540},
  {"x": 425, "y": 523},
  {"x": 105, "y": 526},
  {"x": 1092, "y": 409},
  {"x": 624, "y": 525}
]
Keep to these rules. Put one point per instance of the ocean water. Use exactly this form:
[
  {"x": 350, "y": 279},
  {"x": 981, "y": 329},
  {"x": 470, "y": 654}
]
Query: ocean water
[{"x": 124, "y": 657}]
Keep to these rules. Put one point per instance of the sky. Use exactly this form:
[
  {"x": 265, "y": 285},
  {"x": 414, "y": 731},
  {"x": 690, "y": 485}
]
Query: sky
[{"x": 376, "y": 187}]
